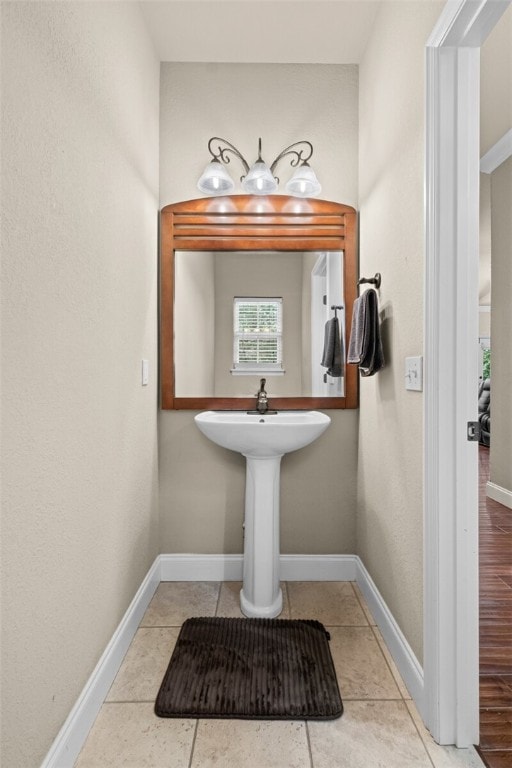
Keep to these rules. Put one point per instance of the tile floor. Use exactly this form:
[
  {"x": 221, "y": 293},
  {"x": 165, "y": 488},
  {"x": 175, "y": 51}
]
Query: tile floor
[{"x": 380, "y": 727}]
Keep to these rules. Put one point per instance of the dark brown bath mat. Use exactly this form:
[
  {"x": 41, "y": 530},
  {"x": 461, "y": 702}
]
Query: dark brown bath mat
[{"x": 251, "y": 668}]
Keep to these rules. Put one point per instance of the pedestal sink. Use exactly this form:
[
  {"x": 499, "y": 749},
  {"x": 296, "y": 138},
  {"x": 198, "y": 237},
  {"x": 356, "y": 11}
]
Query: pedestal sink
[{"x": 263, "y": 439}]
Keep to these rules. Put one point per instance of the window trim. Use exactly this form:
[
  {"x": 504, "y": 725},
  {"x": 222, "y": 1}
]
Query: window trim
[{"x": 248, "y": 369}]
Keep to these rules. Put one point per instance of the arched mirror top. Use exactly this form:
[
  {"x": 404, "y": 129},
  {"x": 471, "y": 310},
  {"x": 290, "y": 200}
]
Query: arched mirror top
[{"x": 264, "y": 226}]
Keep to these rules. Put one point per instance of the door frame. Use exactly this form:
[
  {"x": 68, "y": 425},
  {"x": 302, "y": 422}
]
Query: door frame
[{"x": 451, "y": 651}]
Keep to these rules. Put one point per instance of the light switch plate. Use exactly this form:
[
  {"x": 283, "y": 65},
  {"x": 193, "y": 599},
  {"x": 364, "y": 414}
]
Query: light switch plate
[
  {"x": 145, "y": 373},
  {"x": 414, "y": 373}
]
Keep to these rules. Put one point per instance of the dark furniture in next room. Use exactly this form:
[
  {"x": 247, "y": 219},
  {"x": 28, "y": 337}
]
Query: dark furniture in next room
[{"x": 484, "y": 411}]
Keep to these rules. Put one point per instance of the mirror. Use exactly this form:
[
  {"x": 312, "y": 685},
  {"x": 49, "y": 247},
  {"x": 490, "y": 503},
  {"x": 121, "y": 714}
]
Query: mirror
[
  {"x": 243, "y": 285},
  {"x": 222, "y": 299}
]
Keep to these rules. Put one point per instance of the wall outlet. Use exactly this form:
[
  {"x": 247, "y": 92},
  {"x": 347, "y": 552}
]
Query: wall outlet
[
  {"x": 414, "y": 373},
  {"x": 145, "y": 373}
]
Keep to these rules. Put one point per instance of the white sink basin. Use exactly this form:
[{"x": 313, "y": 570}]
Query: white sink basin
[
  {"x": 263, "y": 439},
  {"x": 262, "y": 435}
]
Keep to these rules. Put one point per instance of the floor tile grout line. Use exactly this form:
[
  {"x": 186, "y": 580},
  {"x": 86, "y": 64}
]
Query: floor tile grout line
[
  {"x": 130, "y": 701},
  {"x": 374, "y": 699},
  {"x": 308, "y": 739},
  {"x": 161, "y": 626},
  {"x": 164, "y": 626},
  {"x": 377, "y": 700},
  {"x": 373, "y": 628},
  {"x": 288, "y": 604},
  {"x": 218, "y": 599},
  {"x": 419, "y": 734},
  {"x": 193, "y": 745},
  {"x": 360, "y": 602},
  {"x": 299, "y": 618},
  {"x": 388, "y": 665}
]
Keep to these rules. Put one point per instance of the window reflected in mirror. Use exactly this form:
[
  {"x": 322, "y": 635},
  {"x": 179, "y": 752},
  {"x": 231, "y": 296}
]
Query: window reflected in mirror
[{"x": 258, "y": 336}]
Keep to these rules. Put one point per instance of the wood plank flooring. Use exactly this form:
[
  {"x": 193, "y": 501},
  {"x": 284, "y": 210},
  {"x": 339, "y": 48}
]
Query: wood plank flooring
[{"x": 495, "y": 626}]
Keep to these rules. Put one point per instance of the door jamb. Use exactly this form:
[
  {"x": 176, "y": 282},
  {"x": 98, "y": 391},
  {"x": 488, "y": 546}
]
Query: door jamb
[{"x": 451, "y": 695}]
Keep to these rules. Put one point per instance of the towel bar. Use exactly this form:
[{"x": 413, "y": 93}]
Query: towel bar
[{"x": 376, "y": 280}]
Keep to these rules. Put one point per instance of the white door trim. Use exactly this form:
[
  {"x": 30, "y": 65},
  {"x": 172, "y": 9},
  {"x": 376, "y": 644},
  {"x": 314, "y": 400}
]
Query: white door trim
[{"x": 451, "y": 368}]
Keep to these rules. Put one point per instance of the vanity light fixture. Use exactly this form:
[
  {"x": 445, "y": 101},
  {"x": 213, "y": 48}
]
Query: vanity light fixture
[{"x": 259, "y": 179}]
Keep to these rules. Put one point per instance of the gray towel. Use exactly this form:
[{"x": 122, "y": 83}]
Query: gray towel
[
  {"x": 365, "y": 346},
  {"x": 332, "y": 356}
]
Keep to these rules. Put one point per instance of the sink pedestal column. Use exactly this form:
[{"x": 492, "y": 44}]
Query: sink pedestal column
[{"x": 261, "y": 596}]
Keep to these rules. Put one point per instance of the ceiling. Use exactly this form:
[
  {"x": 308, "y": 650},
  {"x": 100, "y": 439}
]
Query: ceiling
[
  {"x": 306, "y": 32},
  {"x": 260, "y": 31}
]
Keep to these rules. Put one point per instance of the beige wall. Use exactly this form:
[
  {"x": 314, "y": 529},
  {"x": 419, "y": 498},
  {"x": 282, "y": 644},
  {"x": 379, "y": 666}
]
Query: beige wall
[
  {"x": 202, "y": 491},
  {"x": 390, "y": 513},
  {"x": 281, "y": 103},
  {"x": 201, "y": 485},
  {"x": 194, "y": 324},
  {"x": 79, "y": 300},
  {"x": 501, "y": 323},
  {"x": 495, "y": 83}
]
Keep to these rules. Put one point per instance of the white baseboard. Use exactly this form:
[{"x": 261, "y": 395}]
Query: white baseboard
[
  {"x": 66, "y": 747},
  {"x": 191, "y": 567},
  {"x": 318, "y": 567},
  {"x": 496, "y": 492},
  {"x": 229, "y": 567},
  {"x": 403, "y": 656}
]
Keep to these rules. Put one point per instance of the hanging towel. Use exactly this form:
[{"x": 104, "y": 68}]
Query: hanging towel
[
  {"x": 332, "y": 356},
  {"x": 365, "y": 346}
]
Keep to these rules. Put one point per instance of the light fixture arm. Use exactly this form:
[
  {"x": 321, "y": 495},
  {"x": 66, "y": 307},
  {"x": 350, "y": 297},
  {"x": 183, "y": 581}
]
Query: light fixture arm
[
  {"x": 222, "y": 153},
  {"x": 298, "y": 155}
]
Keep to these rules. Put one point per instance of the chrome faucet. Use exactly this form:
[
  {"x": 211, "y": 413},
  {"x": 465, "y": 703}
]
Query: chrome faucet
[{"x": 262, "y": 402}]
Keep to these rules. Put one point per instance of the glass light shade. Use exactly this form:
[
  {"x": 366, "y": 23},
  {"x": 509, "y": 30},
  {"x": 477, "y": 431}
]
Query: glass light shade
[
  {"x": 304, "y": 182},
  {"x": 259, "y": 180},
  {"x": 215, "y": 180}
]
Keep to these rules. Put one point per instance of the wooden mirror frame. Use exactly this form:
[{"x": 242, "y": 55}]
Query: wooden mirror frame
[{"x": 254, "y": 223}]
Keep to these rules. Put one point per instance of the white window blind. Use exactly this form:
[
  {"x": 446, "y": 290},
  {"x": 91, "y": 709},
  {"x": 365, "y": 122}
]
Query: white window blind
[{"x": 258, "y": 334}]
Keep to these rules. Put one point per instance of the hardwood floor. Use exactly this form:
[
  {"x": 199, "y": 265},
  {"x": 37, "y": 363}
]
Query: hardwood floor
[{"x": 495, "y": 626}]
